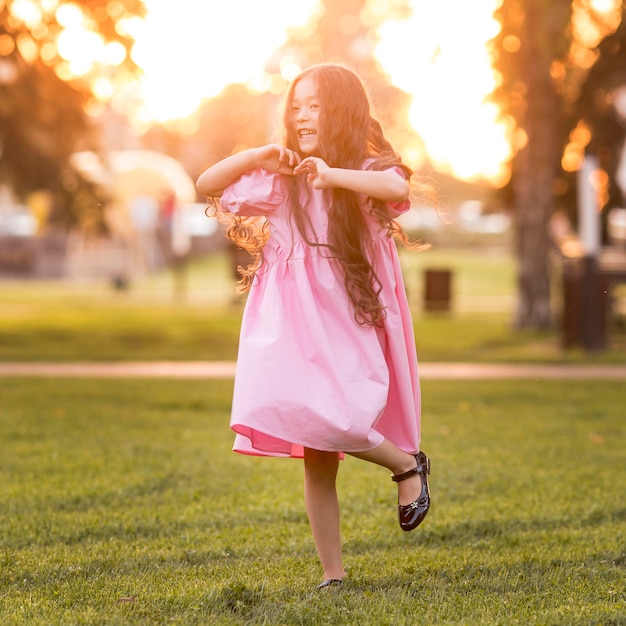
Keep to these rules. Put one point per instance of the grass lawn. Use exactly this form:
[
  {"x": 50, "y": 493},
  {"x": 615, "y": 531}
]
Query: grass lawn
[
  {"x": 121, "y": 503},
  {"x": 67, "y": 322}
]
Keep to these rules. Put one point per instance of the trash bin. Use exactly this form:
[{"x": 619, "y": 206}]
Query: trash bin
[
  {"x": 571, "y": 313},
  {"x": 584, "y": 319},
  {"x": 437, "y": 289}
]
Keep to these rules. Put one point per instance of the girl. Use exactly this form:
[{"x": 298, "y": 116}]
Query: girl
[{"x": 327, "y": 360}]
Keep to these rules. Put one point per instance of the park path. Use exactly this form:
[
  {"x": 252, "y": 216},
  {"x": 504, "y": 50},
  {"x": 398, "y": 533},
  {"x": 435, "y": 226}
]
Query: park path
[{"x": 226, "y": 369}]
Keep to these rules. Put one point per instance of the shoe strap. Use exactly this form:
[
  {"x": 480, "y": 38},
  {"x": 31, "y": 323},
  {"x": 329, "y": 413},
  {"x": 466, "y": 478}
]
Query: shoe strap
[{"x": 421, "y": 467}]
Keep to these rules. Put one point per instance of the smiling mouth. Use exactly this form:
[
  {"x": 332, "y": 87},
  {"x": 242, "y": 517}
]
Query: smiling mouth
[{"x": 306, "y": 133}]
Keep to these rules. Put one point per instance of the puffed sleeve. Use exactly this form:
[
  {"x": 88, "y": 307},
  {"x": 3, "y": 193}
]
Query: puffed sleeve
[
  {"x": 395, "y": 208},
  {"x": 398, "y": 208},
  {"x": 257, "y": 192}
]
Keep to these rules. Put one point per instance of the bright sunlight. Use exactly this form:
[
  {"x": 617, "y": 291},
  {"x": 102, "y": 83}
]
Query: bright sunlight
[
  {"x": 444, "y": 64},
  {"x": 190, "y": 50},
  {"x": 191, "y": 53}
]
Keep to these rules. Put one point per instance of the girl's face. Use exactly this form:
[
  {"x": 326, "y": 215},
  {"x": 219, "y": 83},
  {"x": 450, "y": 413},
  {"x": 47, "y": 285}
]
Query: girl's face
[{"x": 305, "y": 115}]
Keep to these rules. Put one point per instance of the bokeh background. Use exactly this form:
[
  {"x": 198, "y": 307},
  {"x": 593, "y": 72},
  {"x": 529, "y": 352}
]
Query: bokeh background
[
  {"x": 121, "y": 501},
  {"x": 514, "y": 110}
]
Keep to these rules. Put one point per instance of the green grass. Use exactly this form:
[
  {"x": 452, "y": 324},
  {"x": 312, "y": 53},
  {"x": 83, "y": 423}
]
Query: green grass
[
  {"x": 65, "y": 321},
  {"x": 121, "y": 503},
  {"x": 152, "y": 321}
]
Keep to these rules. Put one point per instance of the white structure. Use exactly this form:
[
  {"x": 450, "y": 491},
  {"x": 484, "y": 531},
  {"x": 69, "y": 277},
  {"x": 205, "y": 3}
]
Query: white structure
[
  {"x": 589, "y": 229},
  {"x": 147, "y": 215}
]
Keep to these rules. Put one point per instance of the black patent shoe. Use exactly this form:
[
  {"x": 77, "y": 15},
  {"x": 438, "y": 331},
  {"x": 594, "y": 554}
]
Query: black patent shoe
[{"x": 412, "y": 515}]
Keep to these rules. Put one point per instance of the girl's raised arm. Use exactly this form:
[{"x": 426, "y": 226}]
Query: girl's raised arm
[
  {"x": 272, "y": 157},
  {"x": 386, "y": 185}
]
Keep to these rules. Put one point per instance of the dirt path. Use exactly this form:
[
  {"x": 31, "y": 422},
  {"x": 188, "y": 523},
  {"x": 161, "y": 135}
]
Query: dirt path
[{"x": 226, "y": 369}]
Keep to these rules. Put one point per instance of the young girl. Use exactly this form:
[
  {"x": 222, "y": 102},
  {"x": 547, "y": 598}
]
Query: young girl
[{"x": 327, "y": 360}]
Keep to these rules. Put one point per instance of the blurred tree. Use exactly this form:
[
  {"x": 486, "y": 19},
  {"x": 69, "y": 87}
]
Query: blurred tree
[
  {"x": 46, "y": 80},
  {"x": 542, "y": 59},
  {"x": 233, "y": 121},
  {"x": 337, "y": 32},
  {"x": 343, "y": 32},
  {"x": 596, "y": 107},
  {"x": 533, "y": 38}
]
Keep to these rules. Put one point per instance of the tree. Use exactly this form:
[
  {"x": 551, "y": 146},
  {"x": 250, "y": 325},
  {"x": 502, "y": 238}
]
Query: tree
[
  {"x": 595, "y": 107},
  {"x": 42, "y": 104},
  {"x": 543, "y": 62},
  {"x": 343, "y": 32},
  {"x": 532, "y": 39}
]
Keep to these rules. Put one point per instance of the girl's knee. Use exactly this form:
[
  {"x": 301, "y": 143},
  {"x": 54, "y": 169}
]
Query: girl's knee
[
  {"x": 320, "y": 457},
  {"x": 320, "y": 463}
]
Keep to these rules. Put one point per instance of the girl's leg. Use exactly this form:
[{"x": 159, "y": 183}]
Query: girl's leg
[
  {"x": 397, "y": 461},
  {"x": 322, "y": 506}
]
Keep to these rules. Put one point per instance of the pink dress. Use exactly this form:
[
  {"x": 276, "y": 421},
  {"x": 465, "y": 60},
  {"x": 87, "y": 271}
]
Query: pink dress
[{"x": 307, "y": 374}]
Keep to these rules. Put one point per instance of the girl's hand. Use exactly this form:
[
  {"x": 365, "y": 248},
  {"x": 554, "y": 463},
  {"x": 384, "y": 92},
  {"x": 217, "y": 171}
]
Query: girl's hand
[
  {"x": 316, "y": 170},
  {"x": 278, "y": 159},
  {"x": 387, "y": 185}
]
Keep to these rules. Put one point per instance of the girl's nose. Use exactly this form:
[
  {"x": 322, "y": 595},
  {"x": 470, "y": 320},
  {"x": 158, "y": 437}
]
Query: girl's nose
[{"x": 302, "y": 115}]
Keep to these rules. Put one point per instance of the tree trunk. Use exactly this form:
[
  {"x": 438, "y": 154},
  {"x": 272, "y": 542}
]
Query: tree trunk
[{"x": 535, "y": 169}]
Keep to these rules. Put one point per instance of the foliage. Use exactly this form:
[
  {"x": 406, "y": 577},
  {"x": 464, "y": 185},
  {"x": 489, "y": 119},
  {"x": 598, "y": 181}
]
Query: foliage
[
  {"x": 42, "y": 106},
  {"x": 595, "y": 108},
  {"x": 233, "y": 121},
  {"x": 41, "y": 123},
  {"x": 123, "y": 504},
  {"x": 542, "y": 60}
]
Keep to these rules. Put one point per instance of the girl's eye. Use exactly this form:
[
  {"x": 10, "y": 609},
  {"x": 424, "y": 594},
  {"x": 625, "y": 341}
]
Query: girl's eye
[{"x": 315, "y": 106}]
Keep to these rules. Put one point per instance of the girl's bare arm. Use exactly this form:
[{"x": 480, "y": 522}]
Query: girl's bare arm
[
  {"x": 272, "y": 157},
  {"x": 386, "y": 186}
]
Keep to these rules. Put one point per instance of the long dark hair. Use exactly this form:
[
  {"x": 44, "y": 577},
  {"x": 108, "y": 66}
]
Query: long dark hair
[{"x": 348, "y": 137}]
